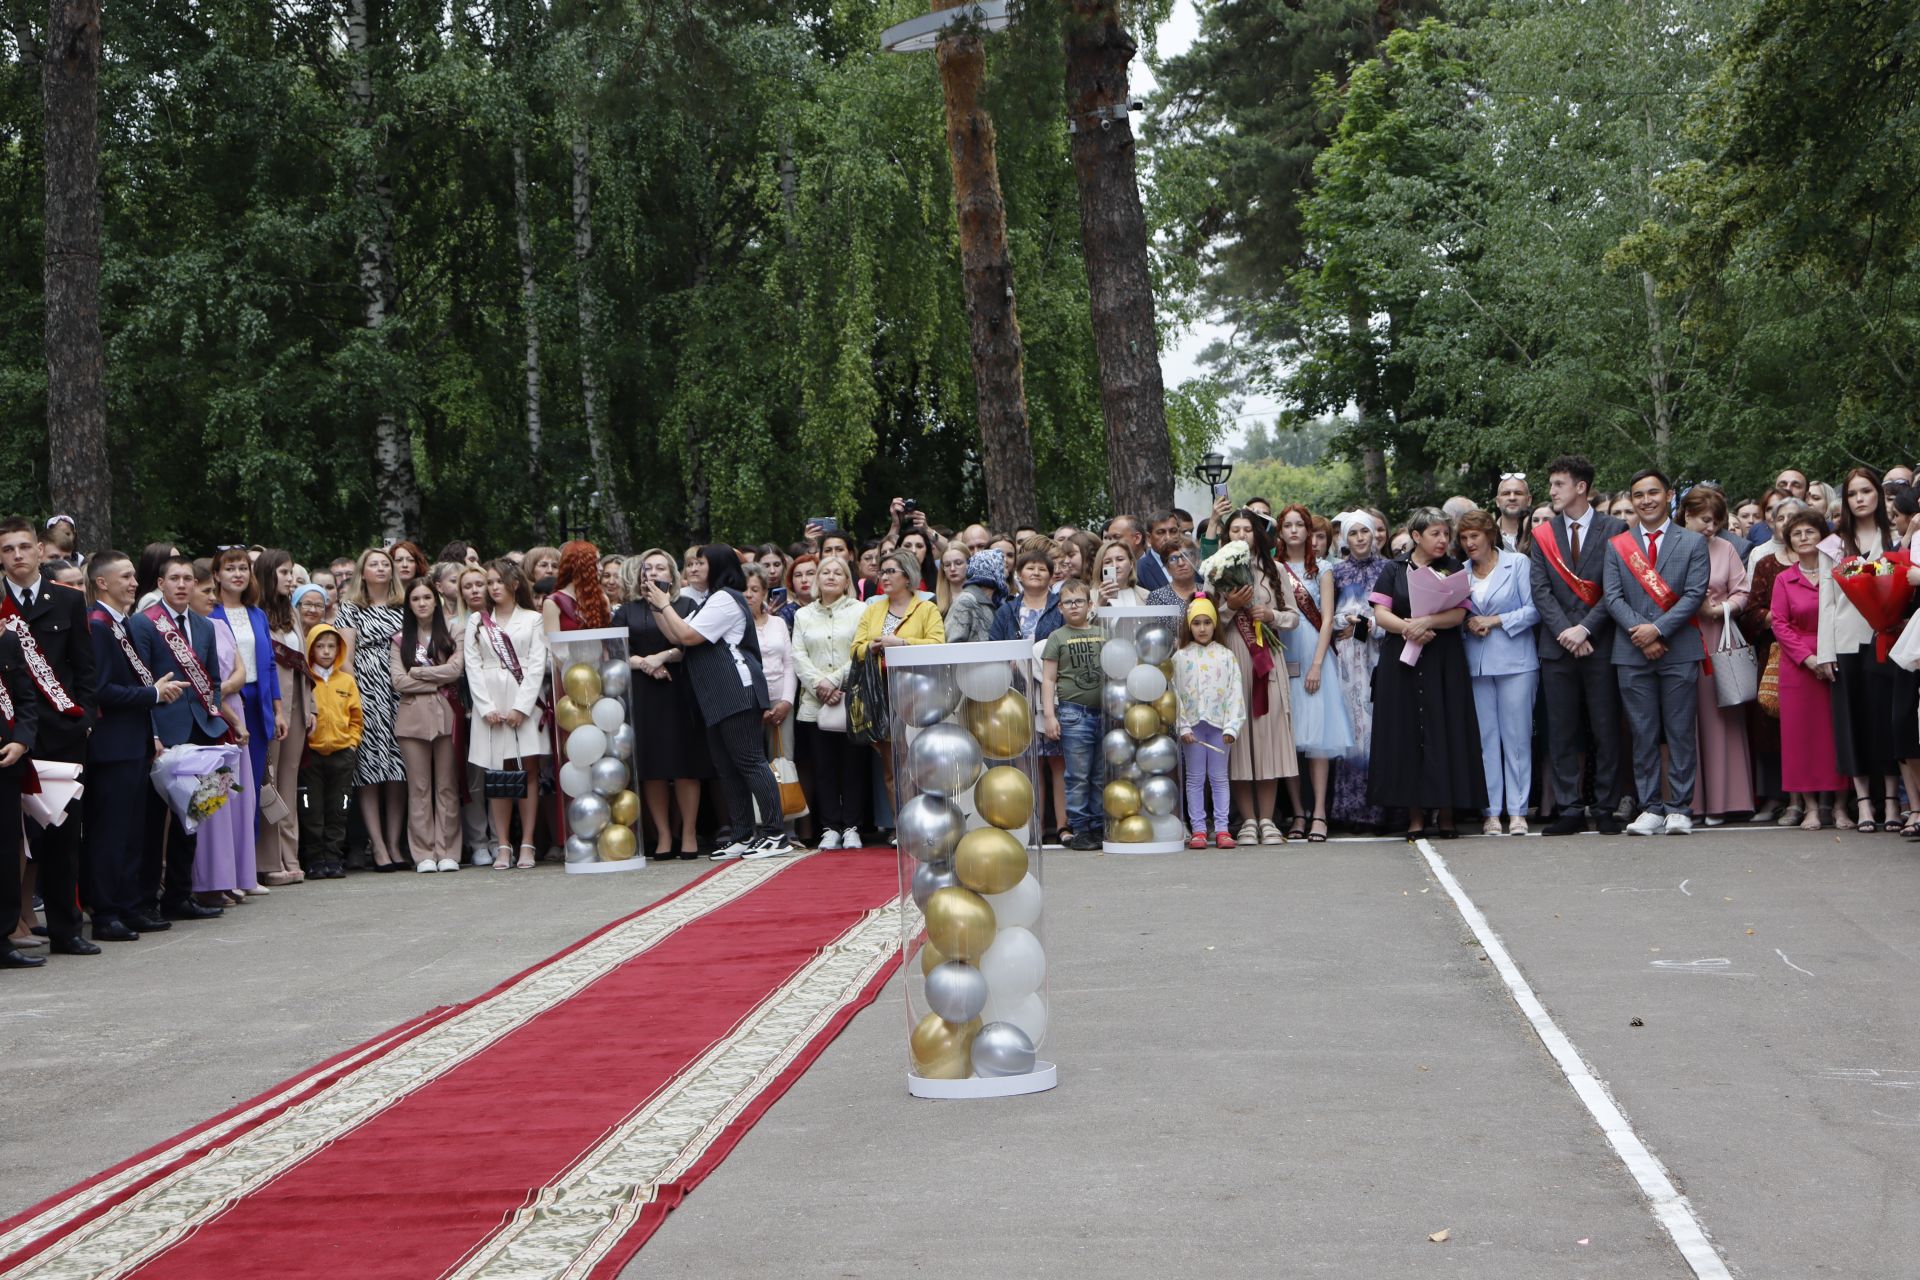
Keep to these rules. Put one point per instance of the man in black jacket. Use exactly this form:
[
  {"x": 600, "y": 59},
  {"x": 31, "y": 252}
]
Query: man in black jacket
[{"x": 50, "y": 623}]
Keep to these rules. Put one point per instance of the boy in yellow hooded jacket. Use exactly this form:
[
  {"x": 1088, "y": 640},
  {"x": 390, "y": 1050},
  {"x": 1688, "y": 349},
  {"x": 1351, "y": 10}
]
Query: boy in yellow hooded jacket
[{"x": 326, "y": 770}]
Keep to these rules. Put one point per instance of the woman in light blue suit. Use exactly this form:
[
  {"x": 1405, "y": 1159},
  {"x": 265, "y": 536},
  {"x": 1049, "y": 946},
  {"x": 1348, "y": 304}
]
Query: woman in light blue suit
[{"x": 1504, "y": 662}]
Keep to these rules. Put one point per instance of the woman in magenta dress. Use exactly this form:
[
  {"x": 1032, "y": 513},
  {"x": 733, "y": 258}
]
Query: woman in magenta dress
[
  {"x": 1807, "y": 762},
  {"x": 1725, "y": 781}
]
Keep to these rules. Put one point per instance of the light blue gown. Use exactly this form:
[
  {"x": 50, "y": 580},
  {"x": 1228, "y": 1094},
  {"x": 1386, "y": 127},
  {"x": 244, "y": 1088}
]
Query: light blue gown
[{"x": 1321, "y": 728}]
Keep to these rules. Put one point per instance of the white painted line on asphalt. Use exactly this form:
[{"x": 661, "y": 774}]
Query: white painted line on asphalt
[
  {"x": 1790, "y": 964},
  {"x": 1670, "y": 1208},
  {"x": 1683, "y": 887}
]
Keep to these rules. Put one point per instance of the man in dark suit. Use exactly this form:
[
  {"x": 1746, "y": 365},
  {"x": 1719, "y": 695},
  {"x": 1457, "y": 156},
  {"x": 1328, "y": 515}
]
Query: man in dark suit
[
  {"x": 1576, "y": 653},
  {"x": 19, "y": 719},
  {"x": 55, "y": 619},
  {"x": 120, "y": 752},
  {"x": 1656, "y": 582},
  {"x": 183, "y": 649}
]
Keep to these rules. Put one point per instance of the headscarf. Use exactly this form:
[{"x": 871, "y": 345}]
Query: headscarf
[
  {"x": 306, "y": 589},
  {"x": 987, "y": 568}
]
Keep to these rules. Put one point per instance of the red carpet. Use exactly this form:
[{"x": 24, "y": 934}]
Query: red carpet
[{"x": 544, "y": 1129}]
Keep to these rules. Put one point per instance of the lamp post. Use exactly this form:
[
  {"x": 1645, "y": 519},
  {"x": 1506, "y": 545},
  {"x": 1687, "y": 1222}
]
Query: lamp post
[
  {"x": 999, "y": 376},
  {"x": 1214, "y": 470}
]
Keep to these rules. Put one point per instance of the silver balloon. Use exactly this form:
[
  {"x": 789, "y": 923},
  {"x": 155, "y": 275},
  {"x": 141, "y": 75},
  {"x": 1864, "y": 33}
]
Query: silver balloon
[
  {"x": 1158, "y": 755},
  {"x": 1001, "y": 1049},
  {"x": 1114, "y": 699},
  {"x": 588, "y": 815},
  {"x": 930, "y": 828},
  {"x": 1167, "y": 828},
  {"x": 616, "y": 677},
  {"x": 956, "y": 991},
  {"x": 1154, "y": 643},
  {"x": 609, "y": 774},
  {"x": 943, "y": 760},
  {"x": 928, "y": 877},
  {"x": 623, "y": 742},
  {"x": 924, "y": 698},
  {"x": 582, "y": 849},
  {"x": 1117, "y": 746},
  {"x": 1160, "y": 795},
  {"x": 1131, "y": 771}
]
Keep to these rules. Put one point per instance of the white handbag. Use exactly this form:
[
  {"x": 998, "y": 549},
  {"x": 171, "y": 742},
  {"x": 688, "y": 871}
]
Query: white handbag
[
  {"x": 833, "y": 717},
  {"x": 1906, "y": 650},
  {"x": 1736, "y": 667}
]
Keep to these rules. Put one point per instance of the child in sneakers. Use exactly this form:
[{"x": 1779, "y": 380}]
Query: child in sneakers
[
  {"x": 326, "y": 770},
  {"x": 1070, "y": 697},
  {"x": 1213, "y": 709}
]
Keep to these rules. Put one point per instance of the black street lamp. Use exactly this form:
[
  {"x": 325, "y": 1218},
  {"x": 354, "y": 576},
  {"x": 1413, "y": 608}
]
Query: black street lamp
[{"x": 1214, "y": 470}]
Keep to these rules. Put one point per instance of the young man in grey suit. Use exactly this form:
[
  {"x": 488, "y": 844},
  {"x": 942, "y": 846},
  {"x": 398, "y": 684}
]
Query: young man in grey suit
[
  {"x": 1656, "y": 580},
  {"x": 1576, "y": 650}
]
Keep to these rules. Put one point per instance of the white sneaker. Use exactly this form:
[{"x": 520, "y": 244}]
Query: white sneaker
[
  {"x": 1649, "y": 824},
  {"x": 425, "y": 865},
  {"x": 1516, "y": 826},
  {"x": 449, "y": 864},
  {"x": 737, "y": 849},
  {"x": 831, "y": 840},
  {"x": 771, "y": 847},
  {"x": 1679, "y": 824},
  {"x": 1491, "y": 827},
  {"x": 850, "y": 838},
  {"x": 482, "y": 857}
]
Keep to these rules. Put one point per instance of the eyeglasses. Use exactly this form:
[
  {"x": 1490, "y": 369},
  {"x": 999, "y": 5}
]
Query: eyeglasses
[{"x": 1179, "y": 557}]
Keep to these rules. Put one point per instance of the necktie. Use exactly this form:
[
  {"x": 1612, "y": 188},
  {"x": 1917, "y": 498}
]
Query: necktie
[
  {"x": 180, "y": 619},
  {"x": 1574, "y": 530},
  {"x": 26, "y": 599},
  {"x": 1653, "y": 549}
]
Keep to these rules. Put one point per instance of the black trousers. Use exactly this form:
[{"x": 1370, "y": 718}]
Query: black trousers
[
  {"x": 842, "y": 777},
  {"x": 739, "y": 748},
  {"x": 10, "y": 850},
  {"x": 326, "y": 793},
  {"x": 111, "y": 857},
  {"x": 1583, "y": 716},
  {"x": 56, "y": 859}
]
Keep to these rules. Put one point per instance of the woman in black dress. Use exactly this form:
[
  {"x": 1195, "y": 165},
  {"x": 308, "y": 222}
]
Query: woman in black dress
[
  {"x": 1426, "y": 737},
  {"x": 670, "y": 743}
]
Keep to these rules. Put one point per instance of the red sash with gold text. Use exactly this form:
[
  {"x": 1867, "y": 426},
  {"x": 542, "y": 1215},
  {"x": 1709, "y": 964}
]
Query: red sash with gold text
[
  {"x": 182, "y": 651},
  {"x": 37, "y": 665},
  {"x": 1652, "y": 583},
  {"x": 1588, "y": 592}
]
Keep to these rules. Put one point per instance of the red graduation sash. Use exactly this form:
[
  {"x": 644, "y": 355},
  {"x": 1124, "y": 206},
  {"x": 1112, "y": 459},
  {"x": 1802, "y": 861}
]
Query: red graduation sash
[
  {"x": 203, "y": 687},
  {"x": 100, "y": 615},
  {"x": 1652, "y": 583},
  {"x": 37, "y": 665},
  {"x": 1301, "y": 600},
  {"x": 1589, "y": 592}
]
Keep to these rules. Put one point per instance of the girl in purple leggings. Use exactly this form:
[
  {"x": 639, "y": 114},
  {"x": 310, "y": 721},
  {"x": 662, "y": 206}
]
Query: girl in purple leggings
[{"x": 1206, "y": 681}]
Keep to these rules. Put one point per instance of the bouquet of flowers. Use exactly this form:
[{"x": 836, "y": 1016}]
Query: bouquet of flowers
[
  {"x": 196, "y": 782},
  {"x": 1229, "y": 568},
  {"x": 1880, "y": 591}
]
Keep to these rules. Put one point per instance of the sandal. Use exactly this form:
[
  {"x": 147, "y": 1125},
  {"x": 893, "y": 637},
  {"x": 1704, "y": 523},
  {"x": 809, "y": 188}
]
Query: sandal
[
  {"x": 1811, "y": 822},
  {"x": 1296, "y": 829},
  {"x": 1320, "y": 836},
  {"x": 1910, "y": 829},
  {"x": 503, "y": 860},
  {"x": 1866, "y": 826},
  {"x": 526, "y": 858},
  {"x": 1790, "y": 816},
  {"x": 1249, "y": 832}
]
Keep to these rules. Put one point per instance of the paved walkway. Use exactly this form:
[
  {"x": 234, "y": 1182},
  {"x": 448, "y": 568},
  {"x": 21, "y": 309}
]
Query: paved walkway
[{"x": 1273, "y": 1063}]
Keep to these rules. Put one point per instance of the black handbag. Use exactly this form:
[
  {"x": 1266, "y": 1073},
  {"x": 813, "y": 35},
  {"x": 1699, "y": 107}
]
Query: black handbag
[
  {"x": 506, "y": 784},
  {"x": 869, "y": 711}
]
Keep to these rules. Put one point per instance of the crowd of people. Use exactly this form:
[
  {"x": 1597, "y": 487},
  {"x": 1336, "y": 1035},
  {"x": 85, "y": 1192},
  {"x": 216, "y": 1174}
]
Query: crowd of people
[{"x": 389, "y": 711}]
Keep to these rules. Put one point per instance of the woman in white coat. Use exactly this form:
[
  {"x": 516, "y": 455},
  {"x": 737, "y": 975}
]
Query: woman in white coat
[
  {"x": 1504, "y": 662},
  {"x": 506, "y": 664}
]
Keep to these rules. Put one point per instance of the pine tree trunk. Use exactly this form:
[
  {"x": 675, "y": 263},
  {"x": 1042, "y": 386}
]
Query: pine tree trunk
[
  {"x": 590, "y": 391},
  {"x": 78, "y": 479},
  {"x": 530, "y": 322},
  {"x": 1373, "y": 459},
  {"x": 396, "y": 488},
  {"x": 1113, "y": 238},
  {"x": 999, "y": 377}
]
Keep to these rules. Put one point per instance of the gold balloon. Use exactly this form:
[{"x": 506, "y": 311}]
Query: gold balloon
[
  {"x": 930, "y": 958},
  {"x": 990, "y": 860},
  {"x": 960, "y": 923},
  {"x": 582, "y": 683},
  {"x": 1134, "y": 829},
  {"x": 1004, "y": 797},
  {"x": 1167, "y": 707},
  {"x": 571, "y": 714},
  {"x": 616, "y": 843},
  {"x": 1141, "y": 721},
  {"x": 1166, "y": 669},
  {"x": 943, "y": 1050},
  {"x": 1003, "y": 727},
  {"x": 1121, "y": 799},
  {"x": 626, "y": 808}
]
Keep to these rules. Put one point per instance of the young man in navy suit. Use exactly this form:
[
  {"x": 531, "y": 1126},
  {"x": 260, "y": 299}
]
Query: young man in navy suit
[
  {"x": 52, "y": 629},
  {"x": 120, "y": 752},
  {"x": 19, "y": 718},
  {"x": 184, "y": 649}
]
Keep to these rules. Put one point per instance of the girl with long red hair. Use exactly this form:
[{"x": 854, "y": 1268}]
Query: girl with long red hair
[
  {"x": 1321, "y": 730},
  {"x": 578, "y": 602}
]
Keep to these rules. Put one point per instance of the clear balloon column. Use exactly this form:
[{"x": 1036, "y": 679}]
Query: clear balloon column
[
  {"x": 963, "y": 771},
  {"x": 1141, "y": 747},
  {"x": 592, "y": 701}
]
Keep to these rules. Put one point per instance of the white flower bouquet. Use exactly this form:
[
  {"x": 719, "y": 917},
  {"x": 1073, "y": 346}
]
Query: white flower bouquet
[
  {"x": 1229, "y": 568},
  {"x": 196, "y": 781}
]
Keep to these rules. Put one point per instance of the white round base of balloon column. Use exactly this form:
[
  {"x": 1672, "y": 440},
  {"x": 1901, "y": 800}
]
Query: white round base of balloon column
[
  {"x": 1044, "y": 1076},
  {"x": 595, "y": 868},
  {"x": 1151, "y": 846}
]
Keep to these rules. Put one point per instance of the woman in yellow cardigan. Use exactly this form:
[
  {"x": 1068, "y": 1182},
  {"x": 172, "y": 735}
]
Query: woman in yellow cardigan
[{"x": 897, "y": 616}]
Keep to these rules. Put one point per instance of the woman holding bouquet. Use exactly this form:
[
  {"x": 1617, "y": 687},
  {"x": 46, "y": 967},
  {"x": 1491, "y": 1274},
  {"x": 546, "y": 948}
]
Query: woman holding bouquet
[
  {"x": 1250, "y": 613},
  {"x": 1872, "y": 728},
  {"x": 224, "y": 869},
  {"x": 1426, "y": 737}
]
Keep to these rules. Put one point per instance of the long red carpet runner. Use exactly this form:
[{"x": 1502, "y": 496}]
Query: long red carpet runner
[{"x": 543, "y": 1130}]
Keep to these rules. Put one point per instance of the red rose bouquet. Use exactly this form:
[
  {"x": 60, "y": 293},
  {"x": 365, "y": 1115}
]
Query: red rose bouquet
[{"x": 1880, "y": 591}]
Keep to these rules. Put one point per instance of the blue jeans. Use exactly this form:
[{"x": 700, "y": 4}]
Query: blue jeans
[{"x": 1080, "y": 744}]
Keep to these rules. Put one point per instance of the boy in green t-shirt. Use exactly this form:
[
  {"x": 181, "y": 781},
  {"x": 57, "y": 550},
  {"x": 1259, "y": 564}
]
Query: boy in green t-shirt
[{"x": 1070, "y": 697}]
